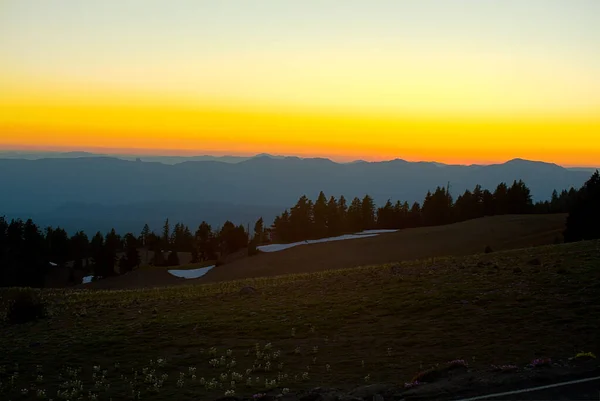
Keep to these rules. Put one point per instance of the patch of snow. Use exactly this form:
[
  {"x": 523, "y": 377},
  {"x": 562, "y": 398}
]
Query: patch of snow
[
  {"x": 281, "y": 247},
  {"x": 376, "y": 232},
  {"x": 53, "y": 264},
  {"x": 192, "y": 273},
  {"x": 87, "y": 279}
]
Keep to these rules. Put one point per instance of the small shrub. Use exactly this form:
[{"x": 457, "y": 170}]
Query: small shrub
[
  {"x": 585, "y": 355},
  {"x": 25, "y": 307},
  {"x": 488, "y": 249}
]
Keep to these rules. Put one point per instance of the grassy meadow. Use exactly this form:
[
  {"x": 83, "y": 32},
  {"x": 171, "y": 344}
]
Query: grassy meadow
[{"x": 339, "y": 328}]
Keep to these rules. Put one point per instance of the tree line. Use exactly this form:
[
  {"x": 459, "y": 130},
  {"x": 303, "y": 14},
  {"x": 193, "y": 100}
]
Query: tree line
[
  {"x": 27, "y": 253},
  {"x": 331, "y": 217}
]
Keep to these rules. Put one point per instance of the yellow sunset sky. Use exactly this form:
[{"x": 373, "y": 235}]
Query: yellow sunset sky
[{"x": 464, "y": 81}]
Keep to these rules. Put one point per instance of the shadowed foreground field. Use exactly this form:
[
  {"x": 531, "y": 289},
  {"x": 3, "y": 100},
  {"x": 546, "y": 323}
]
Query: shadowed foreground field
[{"x": 333, "y": 328}]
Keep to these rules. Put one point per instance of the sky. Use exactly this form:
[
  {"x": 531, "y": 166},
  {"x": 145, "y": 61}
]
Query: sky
[{"x": 461, "y": 81}]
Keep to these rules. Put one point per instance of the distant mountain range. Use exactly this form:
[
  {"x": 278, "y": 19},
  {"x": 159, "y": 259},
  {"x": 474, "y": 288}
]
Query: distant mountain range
[
  {"x": 145, "y": 158},
  {"x": 95, "y": 193}
]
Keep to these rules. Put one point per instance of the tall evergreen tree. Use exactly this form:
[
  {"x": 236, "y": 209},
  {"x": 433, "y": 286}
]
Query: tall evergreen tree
[
  {"x": 368, "y": 213},
  {"x": 144, "y": 235},
  {"x": 437, "y": 208},
  {"x": 415, "y": 217},
  {"x": 463, "y": 207},
  {"x": 80, "y": 244},
  {"x": 97, "y": 250},
  {"x": 35, "y": 260},
  {"x": 343, "y": 214},
  {"x": 57, "y": 245},
  {"x": 355, "y": 215},
  {"x": 132, "y": 256},
  {"x": 282, "y": 227},
  {"x": 387, "y": 215},
  {"x": 501, "y": 199},
  {"x": 301, "y": 219},
  {"x": 112, "y": 245},
  {"x": 205, "y": 242},
  {"x": 320, "y": 216},
  {"x": 232, "y": 238},
  {"x": 583, "y": 221},
  {"x": 489, "y": 203},
  {"x": 166, "y": 234},
  {"x": 519, "y": 198},
  {"x": 259, "y": 230},
  {"x": 334, "y": 220}
]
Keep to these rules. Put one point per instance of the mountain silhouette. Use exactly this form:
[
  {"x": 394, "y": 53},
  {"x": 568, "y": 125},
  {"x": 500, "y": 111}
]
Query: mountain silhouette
[{"x": 43, "y": 187}]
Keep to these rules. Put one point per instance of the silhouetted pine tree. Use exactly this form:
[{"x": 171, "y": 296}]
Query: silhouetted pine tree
[
  {"x": 386, "y": 216},
  {"x": 166, "y": 235},
  {"x": 367, "y": 213},
  {"x": 132, "y": 257},
  {"x": 583, "y": 222},
  {"x": 98, "y": 254},
  {"x": 79, "y": 249},
  {"x": 343, "y": 214},
  {"x": 144, "y": 235},
  {"x": 437, "y": 208},
  {"x": 355, "y": 216},
  {"x": 259, "y": 230},
  {"x": 415, "y": 218},
  {"x": 57, "y": 245},
  {"x": 519, "y": 198},
  {"x": 488, "y": 203},
  {"x": 301, "y": 220},
  {"x": 320, "y": 216},
  {"x": 334, "y": 219}
]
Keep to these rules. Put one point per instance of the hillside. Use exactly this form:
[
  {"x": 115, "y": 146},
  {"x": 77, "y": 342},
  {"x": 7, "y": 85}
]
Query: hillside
[
  {"x": 499, "y": 232},
  {"x": 339, "y": 328}
]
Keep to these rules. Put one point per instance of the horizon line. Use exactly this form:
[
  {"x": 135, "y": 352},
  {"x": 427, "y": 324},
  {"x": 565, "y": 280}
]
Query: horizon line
[{"x": 187, "y": 153}]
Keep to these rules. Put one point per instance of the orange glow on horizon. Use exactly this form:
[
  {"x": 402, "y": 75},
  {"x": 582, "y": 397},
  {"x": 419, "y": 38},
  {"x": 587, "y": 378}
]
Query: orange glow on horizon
[
  {"x": 416, "y": 80},
  {"x": 154, "y": 129}
]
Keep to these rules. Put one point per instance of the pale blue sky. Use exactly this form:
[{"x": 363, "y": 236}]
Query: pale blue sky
[
  {"x": 211, "y": 46},
  {"x": 74, "y": 25}
]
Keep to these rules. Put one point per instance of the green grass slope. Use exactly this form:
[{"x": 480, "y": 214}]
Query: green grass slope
[{"x": 332, "y": 328}]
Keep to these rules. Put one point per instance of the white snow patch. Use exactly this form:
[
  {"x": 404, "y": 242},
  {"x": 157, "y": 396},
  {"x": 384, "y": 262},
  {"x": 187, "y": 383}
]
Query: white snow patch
[
  {"x": 53, "y": 264},
  {"x": 192, "y": 273},
  {"x": 281, "y": 247},
  {"x": 376, "y": 232},
  {"x": 87, "y": 279}
]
